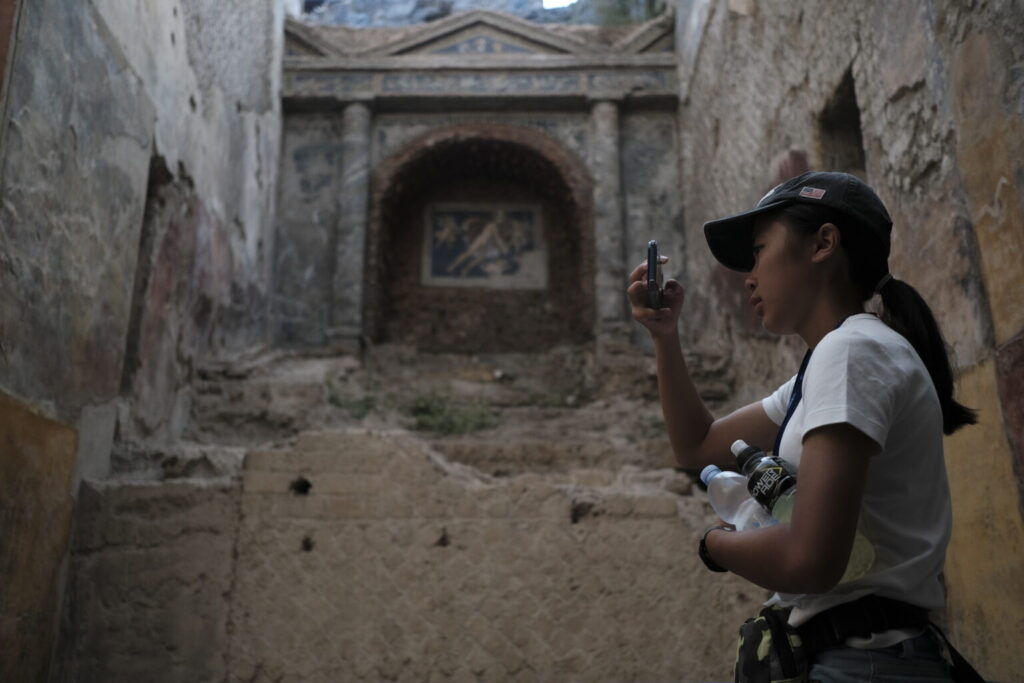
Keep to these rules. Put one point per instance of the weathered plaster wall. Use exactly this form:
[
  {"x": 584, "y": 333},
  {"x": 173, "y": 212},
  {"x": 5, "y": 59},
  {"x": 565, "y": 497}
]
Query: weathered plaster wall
[
  {"x": 306, "y": 221},
  {"x": 8, "y": 14},
  {"x": 76, "y": 141},
  {"x": 74, "y": 166},
  {"x": 131, "y": 84},
  {"x": 136, "y": 160},
  {"x": 151, "y": 575},
  {"x": 940, "y": 112},
  {"x": 211, "y": 71}
]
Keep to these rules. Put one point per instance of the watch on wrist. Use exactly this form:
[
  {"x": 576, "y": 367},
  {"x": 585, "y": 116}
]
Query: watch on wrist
[{"x": 705, "y": 556}]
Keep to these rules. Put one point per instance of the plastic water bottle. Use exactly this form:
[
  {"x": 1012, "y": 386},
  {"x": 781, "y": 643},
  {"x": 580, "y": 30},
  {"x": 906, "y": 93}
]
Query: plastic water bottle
[
  {"x": 770, "y": 480},
  {"x": 727, "y": 492},
  {"x": 772, "y": 483}
]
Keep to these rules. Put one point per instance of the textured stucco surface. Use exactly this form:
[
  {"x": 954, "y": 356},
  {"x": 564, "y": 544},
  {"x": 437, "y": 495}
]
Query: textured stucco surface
[
  {"x": 207, "y": 67},
  {"x": 151, "y": 572},
  {"x": 395, "y": 563},
  {"x": 74, "y": 168},
  {"x": 986, "y": 586},
  {"x": 76, "y": 201}
]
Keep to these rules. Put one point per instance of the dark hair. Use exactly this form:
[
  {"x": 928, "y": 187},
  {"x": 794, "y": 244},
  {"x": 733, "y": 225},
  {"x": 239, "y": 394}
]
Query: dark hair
[{"x": 903, "y": 309}]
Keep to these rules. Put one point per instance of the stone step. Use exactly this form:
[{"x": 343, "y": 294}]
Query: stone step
[
  {"x": 522, "y": 455},
  {"x": 173, "y": 461}
]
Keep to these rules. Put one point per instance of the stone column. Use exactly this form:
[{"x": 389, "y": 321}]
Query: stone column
[
  {"x": 346, "y": 315},
  {"x": 609, "y": 239}
]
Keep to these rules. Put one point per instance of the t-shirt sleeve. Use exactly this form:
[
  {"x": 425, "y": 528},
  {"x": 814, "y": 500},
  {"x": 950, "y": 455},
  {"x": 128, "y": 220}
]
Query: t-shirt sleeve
[
  {"x": 850, "y": 379},
  {"x": 776, "y": 404}
]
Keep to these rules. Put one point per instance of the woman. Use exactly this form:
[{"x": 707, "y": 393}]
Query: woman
[{"x": 863, "y": 426}]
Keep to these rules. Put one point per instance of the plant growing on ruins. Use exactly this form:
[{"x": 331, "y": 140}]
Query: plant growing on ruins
[
  {"x": 439, "y": 413},
  {"x": 357, "y": 407}
]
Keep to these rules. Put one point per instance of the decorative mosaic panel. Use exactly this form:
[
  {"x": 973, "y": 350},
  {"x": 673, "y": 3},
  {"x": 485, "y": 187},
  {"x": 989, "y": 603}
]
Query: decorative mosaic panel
[{"x": 484, "y": 246}]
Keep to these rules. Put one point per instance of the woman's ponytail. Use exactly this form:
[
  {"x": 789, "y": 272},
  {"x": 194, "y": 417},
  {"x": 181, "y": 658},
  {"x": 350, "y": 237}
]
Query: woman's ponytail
[
  {"x": 905, "y": 311},
  {"x": 903, "y": 308}
]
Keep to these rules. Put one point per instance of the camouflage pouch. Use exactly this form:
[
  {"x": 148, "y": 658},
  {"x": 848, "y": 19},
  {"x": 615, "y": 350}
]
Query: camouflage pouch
[{"x": 770, "y": 650}]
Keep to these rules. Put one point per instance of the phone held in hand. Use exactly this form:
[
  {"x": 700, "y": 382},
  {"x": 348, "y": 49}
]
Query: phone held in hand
[{"x": 654, "y": 278}]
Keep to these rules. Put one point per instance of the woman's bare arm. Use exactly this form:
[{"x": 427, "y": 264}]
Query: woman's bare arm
[
  {"x": 697, "y": 438},
  {"x": 809, "y": 555}
]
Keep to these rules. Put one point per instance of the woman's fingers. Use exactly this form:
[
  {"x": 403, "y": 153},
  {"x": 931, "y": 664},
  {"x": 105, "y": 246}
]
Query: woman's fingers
[
  {"x": 637, "y": 292},
  {"x": 673, "y": 292},
  {"x": 641, "y": 270}
]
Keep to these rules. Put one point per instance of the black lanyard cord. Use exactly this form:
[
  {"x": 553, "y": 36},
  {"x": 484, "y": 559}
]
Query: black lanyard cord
[{"x": 798, "y": 392}]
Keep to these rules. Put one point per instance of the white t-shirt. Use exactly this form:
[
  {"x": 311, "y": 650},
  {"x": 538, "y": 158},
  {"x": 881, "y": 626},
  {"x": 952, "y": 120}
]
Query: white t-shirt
[{"x": 867, "y": 375}]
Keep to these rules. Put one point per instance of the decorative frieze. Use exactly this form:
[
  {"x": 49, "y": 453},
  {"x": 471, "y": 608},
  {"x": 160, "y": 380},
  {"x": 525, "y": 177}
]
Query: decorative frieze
[{"x": 344, "y": 85}]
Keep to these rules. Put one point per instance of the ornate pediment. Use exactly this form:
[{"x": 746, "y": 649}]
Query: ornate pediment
[
  {"x": 302, "y": 41},
  {"x": 656, "y": 35},
  {"x": 481, "y": 32}
]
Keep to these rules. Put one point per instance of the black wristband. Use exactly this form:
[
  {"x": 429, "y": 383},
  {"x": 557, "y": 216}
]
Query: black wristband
[{"x": 705, "y": 556}]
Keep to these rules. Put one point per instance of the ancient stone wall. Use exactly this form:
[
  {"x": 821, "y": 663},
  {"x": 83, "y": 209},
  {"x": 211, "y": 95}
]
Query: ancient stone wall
[
  {"x": 137, "y": 156},
  {"x": 938, "y": 106}
]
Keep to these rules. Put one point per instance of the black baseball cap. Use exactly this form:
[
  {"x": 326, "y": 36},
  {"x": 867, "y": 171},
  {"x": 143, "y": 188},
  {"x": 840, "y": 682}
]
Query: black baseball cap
[{"x": 731, "y": 238}]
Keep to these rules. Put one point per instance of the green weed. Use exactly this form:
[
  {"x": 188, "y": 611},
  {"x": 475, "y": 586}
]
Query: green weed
[
  {"x": 356, "y": 407},
  {"x": 440, "y": 413}
]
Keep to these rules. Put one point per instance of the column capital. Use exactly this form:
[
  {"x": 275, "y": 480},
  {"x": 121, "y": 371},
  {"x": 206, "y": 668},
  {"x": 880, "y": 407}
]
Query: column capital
[
  {"x": 336, "y": 104},
  {"x": 613, "y": 98},
  {"x": 359, "y": 103}
]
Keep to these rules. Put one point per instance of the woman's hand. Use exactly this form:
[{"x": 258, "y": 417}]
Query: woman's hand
[{"x": 661, "y": 323}]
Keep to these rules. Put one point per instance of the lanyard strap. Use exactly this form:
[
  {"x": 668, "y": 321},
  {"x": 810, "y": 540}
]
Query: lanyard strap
[
  {"x": 794, "y": 399},
  {"x": 798, "y": 392}
]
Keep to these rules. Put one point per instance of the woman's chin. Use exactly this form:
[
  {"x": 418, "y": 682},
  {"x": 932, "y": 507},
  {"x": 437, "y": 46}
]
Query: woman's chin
[{"x": 770, "y": 324}]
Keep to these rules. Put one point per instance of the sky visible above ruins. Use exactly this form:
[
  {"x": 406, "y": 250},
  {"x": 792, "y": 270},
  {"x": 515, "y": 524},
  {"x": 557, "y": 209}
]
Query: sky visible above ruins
[{"x": 393, "y": 13}]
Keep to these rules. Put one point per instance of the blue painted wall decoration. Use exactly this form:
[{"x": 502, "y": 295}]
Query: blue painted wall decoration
[{"x": 484, "y": 245}]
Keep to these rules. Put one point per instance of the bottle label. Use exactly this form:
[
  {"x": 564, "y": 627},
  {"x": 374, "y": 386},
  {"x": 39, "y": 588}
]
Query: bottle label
[{"x": 769, "y": 481}]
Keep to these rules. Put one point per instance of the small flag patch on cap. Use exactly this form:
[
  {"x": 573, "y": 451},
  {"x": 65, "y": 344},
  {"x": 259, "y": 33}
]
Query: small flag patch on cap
[{"x": 812, "y": 192}]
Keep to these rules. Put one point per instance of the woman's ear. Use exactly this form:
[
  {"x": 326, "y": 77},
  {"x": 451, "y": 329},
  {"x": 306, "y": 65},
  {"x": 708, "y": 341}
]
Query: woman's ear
[{"x": 826, "y": 242}]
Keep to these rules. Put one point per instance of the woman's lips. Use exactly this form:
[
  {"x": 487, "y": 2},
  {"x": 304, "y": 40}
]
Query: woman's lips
[{"x": 758, "y": 305}]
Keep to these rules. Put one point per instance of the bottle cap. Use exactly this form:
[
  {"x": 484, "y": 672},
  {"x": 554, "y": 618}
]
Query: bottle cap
[
  {"x": 744, "y": 452},
  {"x": 709, "y": 473}
]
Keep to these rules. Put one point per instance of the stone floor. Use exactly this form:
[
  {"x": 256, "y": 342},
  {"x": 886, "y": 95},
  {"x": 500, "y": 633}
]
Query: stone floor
[{"x": 325, "y": 520}]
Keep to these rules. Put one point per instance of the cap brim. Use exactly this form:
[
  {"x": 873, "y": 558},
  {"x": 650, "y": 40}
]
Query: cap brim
[{"x": 731, "y": 239}]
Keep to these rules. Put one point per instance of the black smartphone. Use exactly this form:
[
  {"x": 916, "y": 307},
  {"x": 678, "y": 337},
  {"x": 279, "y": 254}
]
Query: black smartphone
[{"x": 654, "y": 278}]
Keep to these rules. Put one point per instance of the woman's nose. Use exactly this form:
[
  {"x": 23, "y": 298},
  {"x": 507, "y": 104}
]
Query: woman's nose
[{"x": 750, "y": 282}]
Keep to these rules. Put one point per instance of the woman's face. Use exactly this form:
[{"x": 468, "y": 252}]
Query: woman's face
[{"x": 781, "y": 281}]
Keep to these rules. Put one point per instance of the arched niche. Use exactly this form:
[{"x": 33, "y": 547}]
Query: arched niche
[{"x": 449, "y": 212}]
